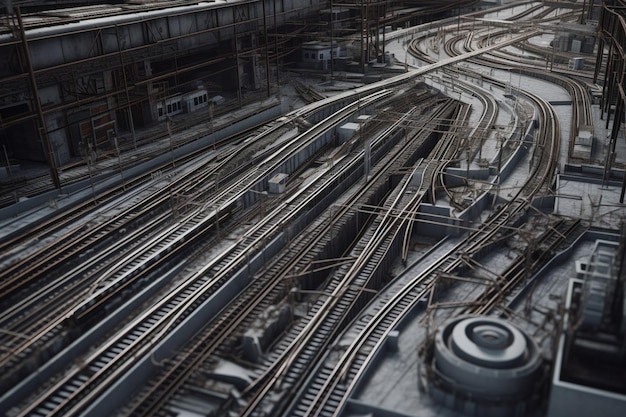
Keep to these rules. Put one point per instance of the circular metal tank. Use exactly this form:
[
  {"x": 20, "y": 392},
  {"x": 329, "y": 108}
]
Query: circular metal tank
[{"x": 484, "y": 366}]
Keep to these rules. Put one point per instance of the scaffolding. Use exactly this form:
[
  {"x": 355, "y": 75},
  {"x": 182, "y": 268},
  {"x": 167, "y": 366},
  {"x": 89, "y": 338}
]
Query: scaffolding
[
  {"x": 611, "y": 59},
  {"x": 75, "y": 78}
]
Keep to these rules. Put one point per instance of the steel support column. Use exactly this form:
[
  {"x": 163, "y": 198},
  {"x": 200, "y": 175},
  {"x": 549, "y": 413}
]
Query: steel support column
[
  {"x": 43, "y": 130},
  {"x": 237, "y": 76}
]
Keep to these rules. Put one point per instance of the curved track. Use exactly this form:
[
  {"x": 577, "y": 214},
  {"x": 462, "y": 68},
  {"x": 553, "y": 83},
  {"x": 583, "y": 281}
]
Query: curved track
[
  {"x": 386, "y": 220},
  {"x": 331, "y": 386}
]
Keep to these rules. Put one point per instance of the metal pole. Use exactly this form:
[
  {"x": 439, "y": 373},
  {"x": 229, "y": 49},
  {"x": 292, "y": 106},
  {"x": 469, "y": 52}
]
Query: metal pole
[
  {"x": 276, "y": 48},
  {"x": 93, "y": 190},
  {"x": 331, "y": 43},
  {"x": 236, "y": 54},
  {"x": 131, "y": 122},
  {"x": 621, "y": 196},
  {"x": 169, "y": 133},
  {"x": 553, "y": 51},
  {"x": 458, "y": 18},
  {"x": 211, "y": 122},
  {"x": 54, "y": 174},
  {"x": 119, "y": 162},
  {"x": 267, "y": 53},
  {"x": 6, "y": 156},
  {"x": 362, "y": 37}
]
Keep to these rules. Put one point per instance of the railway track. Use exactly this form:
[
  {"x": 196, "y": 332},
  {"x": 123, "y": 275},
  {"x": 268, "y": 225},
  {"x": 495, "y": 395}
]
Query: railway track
[
  {"x": 145, "y": 146},
  {"x": 93, "y": 283},
  {"x": 562, "y": 234},
  {"x": 282, "y": 372},
  {"x": 332, "y": 382},
  {"x": 582, "y": 118},
  {"x": 545, "y": 111},
  {"x": 268, "y": 288},
  {"x": 224, "y": 202},
  {"x": 581, "y": 107},
  {"x": 331, "y": 385},
  {"x": 261, "y": 396},
  {"x": 347, "y": 290},
  {"x": 183, "y": 299},
  {"x": 308, "y": 93},
  {"x": 54, "y": 225},
  {"x": 76, "y": 391},
  {"x": 120, "y": 253}
]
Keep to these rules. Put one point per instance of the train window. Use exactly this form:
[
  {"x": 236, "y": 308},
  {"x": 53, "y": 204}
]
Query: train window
[
  {"x": 169, "y": 108},
  {"x": 179, "y": 105},
  {"x": 195, "y": 101}
]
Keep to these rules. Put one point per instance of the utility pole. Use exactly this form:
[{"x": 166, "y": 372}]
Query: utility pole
[
  {"x": 119, "y": 159},
  {"x": 6, "y": 157},
  {"x": 43, "y": 131},
  {"x": 267, "y": 52},
  {"x": 169, "y": 134},
  {"x": 332, "y": 73}
]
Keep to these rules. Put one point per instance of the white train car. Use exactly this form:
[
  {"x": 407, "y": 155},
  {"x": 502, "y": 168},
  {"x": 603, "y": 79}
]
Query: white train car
[
  {"x": 188, "y": 103},
  {"x": 195, "y": 100},
  {"x": 169, "y": 107}
]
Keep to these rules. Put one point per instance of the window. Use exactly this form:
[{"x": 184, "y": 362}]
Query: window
[
  {"x": 195, "y": 101},
  {"x": 169, "y": 108},
  {"x": 160, "y": 111},
  {"x": 306, "y": 55},
  {"x": 321, "y": 56}
]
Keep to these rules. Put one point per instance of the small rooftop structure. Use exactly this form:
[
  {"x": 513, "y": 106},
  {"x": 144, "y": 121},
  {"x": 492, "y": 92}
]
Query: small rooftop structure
[
  {"x": 347, "y": 130},
  {"x": 317, "y": 55},
  {"x": 278, "y": 183}
]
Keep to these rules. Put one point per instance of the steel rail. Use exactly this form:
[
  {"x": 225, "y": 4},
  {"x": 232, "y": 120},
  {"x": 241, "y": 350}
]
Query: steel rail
[
  {"x": 456, "y": 141},
  {"x": 434, "y": 66},
  {"x": 324, "y": 313},
  {"x": 525, "y": 264},
  {"x": 581, "y": 107},
  {"x": 266, "y": 285},
  {"x": 476, "y": 244},
  {"x": 434, "y": 163},
  {"x": 224, "y": 201},
  {"x": 45, "y": 321},
  {"x": 549, "y": 138},
  {"x": 549, "y": 118},
  {"x": 198, "y": 282}
]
